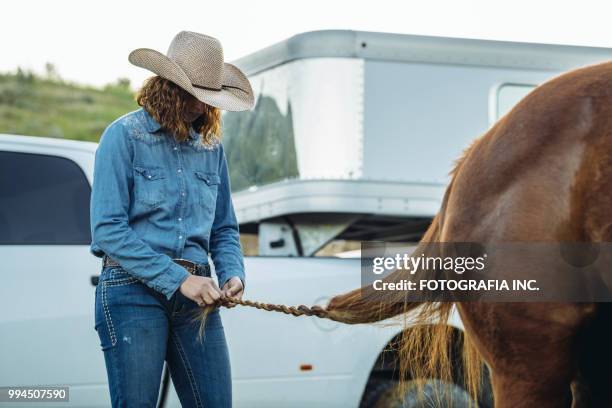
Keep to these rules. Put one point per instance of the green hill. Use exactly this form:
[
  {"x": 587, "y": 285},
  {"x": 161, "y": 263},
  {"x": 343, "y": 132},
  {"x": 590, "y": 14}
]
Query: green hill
[{"x": 36, "y": 106}]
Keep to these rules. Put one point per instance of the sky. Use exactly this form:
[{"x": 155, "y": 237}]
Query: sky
[{"x": 89, "y": 42}]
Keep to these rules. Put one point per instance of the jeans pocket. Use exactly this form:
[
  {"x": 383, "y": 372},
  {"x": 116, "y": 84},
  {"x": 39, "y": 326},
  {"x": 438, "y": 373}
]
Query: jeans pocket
[
  {"x": 116, "y": 276},
  {"x": 213, "y": 320},
  {"x": 214, "y": 333}
]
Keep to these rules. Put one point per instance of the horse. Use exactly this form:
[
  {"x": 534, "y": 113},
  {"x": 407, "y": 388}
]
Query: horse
[{"x": 541, "y": 173}]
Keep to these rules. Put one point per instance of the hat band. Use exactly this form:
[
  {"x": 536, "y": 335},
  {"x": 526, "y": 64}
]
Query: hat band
[
  {"x": 218, "y": 89},
  {"x": 206, "y": 87}
]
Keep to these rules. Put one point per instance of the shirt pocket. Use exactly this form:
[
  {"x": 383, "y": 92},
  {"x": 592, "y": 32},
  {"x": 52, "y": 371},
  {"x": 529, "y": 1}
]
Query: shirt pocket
[
  {"x": 207, "y": 187},
  {"x": 149, "y": 185}
]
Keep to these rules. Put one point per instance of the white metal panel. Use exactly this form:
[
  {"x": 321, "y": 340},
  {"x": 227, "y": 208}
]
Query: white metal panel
[
  {"x": 421, "y": 48},
  {"x": 419, "y": 118},
  {"x": 341, "y": 196}
]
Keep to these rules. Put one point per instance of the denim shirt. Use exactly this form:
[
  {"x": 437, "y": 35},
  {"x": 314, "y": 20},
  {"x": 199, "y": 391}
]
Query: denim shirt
[{"x": 154, "y": 199}]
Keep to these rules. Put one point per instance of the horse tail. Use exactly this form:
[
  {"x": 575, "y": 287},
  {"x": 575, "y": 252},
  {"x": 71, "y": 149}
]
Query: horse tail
[
  {"x": 427, "y": 346},
  {"x": 366, "y": 305}
]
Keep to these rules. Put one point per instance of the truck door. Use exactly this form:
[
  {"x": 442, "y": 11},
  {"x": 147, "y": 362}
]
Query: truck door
[{"x": 47, "y": 334}]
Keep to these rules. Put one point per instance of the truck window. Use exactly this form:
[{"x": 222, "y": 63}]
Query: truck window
[
  {"x": 327, "y": 234},
  {"x": 44, "y": 200}
]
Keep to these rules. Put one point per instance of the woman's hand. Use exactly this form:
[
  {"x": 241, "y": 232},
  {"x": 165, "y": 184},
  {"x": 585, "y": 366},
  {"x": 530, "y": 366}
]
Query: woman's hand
[
  {"x": 233, "y": 288},
  {"x": 202, "y": 290}
]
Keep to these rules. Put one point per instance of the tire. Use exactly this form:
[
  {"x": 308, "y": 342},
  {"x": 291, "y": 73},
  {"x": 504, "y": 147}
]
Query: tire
[
  {"x": 374, "y": 391},
  {"x": 382, "y": 393}
]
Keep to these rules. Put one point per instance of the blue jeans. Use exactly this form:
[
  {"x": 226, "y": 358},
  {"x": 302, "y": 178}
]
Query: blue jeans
[{"x": 139, "y": 328}]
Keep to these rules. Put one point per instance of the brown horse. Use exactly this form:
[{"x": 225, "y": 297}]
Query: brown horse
[{"x": 543, "y": 172}]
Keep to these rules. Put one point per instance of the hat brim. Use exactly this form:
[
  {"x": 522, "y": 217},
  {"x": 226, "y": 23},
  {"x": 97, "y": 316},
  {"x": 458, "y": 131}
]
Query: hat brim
[{"x": 236, "y": 93}]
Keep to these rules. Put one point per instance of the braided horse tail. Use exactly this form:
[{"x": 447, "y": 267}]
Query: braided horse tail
[{"x": 425, "y": 347}]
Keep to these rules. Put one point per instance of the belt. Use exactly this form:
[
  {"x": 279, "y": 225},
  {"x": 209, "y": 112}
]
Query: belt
[{"x": 192, "y": 267}]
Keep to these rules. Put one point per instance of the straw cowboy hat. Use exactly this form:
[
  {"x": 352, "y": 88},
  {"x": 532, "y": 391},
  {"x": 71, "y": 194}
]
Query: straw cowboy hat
[{"x": 194, "y": 62}]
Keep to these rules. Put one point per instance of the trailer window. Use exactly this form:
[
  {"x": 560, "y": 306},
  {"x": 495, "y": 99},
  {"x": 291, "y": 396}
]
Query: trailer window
[
  {"x": 259, "y": 144},
  {"x": 44, "y": 200},
  {"x": 509, "y": 95}
]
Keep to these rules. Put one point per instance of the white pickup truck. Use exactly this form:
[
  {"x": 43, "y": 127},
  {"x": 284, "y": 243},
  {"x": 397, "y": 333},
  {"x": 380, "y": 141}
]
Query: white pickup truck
[
  {"x": 351, "y": 139},
  {"x": 48, "y": 284}
]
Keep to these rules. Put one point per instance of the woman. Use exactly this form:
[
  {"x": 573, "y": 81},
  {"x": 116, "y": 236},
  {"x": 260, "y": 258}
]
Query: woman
[{"x": 160, "y": 204}]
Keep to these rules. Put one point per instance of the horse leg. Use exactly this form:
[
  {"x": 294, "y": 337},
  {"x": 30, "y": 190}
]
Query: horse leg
[
  {"x": 580, "y": 392},
  {"x": 512, "y": 388},
  {"x": 593, "y": 387},
  {"x": 530, "y": 348}
]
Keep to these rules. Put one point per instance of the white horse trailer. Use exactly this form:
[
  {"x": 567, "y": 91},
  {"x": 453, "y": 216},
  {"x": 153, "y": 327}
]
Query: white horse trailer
[{"x": 351, "y": 139}]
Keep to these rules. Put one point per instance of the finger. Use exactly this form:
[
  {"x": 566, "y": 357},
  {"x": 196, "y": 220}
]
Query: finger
[
  {"x": 214, "y": 294},
  {"x": 198, "y": 299},
  {"x": 225, "y": 291},
  {"x": 213, "y": 285},
  {"x": 215, "y": 289},
  {"x": 236, "y": 287},
  {"x": 207, "y": 299}
]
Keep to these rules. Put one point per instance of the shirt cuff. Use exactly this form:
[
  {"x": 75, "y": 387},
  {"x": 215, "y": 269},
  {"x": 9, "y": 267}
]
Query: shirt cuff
[{"x": 175, "y": 276}]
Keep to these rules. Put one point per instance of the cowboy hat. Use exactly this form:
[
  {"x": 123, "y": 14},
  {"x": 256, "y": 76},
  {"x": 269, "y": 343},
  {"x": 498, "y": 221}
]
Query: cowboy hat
[{"x": 194, "y": 62}]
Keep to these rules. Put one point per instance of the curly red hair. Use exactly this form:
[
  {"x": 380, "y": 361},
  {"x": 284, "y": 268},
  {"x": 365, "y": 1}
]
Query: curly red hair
[{"x": 166, "y": 102}]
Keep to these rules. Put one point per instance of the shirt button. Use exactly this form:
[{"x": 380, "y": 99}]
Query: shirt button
[
  {"x": 180, "y": 236},
  {"x": 176, "y": 148},
  {"x": 179, "y": 170},
  {"x": 180, "y": 219},
  {"x": 182, "y": 194}
]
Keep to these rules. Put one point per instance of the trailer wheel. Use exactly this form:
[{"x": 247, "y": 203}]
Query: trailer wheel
[{"x": 436, "y": 393}]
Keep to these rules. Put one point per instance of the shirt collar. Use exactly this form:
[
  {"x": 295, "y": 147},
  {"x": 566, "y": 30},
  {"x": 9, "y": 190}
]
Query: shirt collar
[
  {"x": 194, "y": 135},
  {"x": 150, "y": 123},
  {"x": 153, "y": 126}
]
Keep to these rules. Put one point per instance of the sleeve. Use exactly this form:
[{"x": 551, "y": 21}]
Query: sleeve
[
  {"x": 225, "y": 247},
  {"x": 110, "y": 229}
]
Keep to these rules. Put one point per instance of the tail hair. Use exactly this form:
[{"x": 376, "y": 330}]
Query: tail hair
[{"x": 426, "y": 349}]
